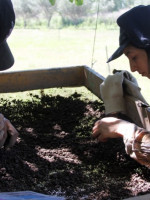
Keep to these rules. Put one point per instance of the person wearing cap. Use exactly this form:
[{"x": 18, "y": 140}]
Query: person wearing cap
[
  {"x": 7, "y": 22},
  {"x": 8, "y": 133},
  {"x": 134, "y": 42}
]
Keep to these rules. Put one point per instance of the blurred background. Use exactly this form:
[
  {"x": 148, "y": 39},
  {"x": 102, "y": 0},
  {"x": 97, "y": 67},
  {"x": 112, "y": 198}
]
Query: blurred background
[{"x": 65, "y": 34}]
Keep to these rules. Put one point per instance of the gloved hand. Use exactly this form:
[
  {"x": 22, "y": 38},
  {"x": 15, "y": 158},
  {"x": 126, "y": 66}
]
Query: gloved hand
[
  {"x": 8, "y": 133},
  {"x": 130, "y": 86},
  {"x": 112, "y": 94}
]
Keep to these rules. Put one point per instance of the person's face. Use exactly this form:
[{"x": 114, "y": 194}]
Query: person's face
[{"x": 138, "y": 60}]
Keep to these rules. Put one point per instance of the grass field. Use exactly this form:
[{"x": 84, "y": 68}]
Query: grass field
[{"x": 58, "y": 48}]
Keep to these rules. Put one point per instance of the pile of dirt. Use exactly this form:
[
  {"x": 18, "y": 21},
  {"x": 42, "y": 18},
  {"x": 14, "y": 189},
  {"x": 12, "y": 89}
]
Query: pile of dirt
[{"x": 55, "y": 153}]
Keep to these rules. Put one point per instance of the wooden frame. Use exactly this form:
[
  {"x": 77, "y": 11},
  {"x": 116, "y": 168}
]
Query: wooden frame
[{"x": 75, "y": 76}]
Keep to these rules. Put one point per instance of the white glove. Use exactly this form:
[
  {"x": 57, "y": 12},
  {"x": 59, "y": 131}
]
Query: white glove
[
  {"x": 130, "y": 86},
  {"x": 112, "y": 94}
]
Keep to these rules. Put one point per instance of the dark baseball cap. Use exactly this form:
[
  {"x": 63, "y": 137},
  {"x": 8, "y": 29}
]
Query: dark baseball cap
[
  {"x": 7, "y": 22},
  {"x": 134, "y": 29}
]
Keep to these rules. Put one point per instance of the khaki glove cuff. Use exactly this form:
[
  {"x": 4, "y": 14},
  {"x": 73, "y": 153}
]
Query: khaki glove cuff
[
  {"x": 112, "y": 94},
  {"x": 133, "y": 90},
  {"x": 115, "y": 105}
]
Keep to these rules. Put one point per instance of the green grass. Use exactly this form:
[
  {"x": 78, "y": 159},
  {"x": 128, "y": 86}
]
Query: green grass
[
  {"x": 58, "y": 48},
  {"x": 65, "y": 92}
]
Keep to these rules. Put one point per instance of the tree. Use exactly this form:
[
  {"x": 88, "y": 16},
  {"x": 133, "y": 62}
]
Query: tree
[
  {"x": 122, "y": 4},
  {"x": 77, "y": 2},
  {"x": 26, "y": 9},
  {"x": 47, "y": 10},
  {"x": 73, "y": 15}
]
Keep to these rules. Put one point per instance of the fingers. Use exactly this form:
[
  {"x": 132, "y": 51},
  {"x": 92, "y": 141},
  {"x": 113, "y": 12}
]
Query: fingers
[
  {"x": 96, "y": 134},
  {"x": 100, "y": 130},
  {"x": 101, "y": 139},
  {"x": 10, "y": 128},
  {"x": 96, "y": 130},
  {"x": 12, "y": 134}
]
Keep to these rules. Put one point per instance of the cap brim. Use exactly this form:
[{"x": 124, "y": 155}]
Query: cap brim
[
  {"x": 6, "y": 57},
  {"x": 118, "y": 52}
]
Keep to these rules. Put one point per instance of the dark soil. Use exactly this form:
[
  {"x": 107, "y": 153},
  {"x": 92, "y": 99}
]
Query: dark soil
[{"x": 55, "y": 153}]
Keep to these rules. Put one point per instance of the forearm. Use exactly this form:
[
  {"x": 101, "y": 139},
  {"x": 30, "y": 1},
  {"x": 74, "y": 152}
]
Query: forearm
[
  {"x": 127, "y": 129},
  {"x": 136, "y": 140},
  {"x": 138, "y": 146}
]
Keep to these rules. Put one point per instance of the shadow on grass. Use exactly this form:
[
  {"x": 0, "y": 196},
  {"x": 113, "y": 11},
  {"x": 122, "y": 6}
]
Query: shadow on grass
[{"x": 55, "y": 154}]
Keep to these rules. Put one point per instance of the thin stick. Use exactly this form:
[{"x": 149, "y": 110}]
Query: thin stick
[
  {"x": 107, "y": 59},
  {"x": 92, "y": 61}
]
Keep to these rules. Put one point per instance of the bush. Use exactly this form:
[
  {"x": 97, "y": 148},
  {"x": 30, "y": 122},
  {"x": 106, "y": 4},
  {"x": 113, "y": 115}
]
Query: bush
[{"x": 56, "y": 22}]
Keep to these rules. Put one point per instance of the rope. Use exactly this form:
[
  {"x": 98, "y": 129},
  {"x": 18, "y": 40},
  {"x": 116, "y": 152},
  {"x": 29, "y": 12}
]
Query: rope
[
  {"x": 92, "y": 60},
  {"x": 93, "y": 50}
]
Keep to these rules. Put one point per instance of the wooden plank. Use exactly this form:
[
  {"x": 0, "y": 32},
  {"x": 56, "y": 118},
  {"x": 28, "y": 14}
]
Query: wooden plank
[
  {"x": 17, "y": 81},
  {"x": 92, "y": 80},
  {"x": 134, "y": 112}
]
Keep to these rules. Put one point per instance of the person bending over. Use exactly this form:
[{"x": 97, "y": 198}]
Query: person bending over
[
  {"x": 8, "y": 133},
  {"x": 134, "y": 42}
]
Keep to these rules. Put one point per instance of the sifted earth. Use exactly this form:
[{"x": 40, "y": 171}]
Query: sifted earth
[{"x": 55, "y": 154}]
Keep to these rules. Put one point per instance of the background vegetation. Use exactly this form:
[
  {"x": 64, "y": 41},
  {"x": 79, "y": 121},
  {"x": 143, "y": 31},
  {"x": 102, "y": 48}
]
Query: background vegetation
[
  {"x": 40, "y": 13},
  {"x": 70, "y": 35}
]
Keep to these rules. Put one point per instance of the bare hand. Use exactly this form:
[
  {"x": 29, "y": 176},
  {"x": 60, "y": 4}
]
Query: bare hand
[
  {"x": 106, "y": 128},
  {"x": 12, "y": 134},
  {"x": 8, "y": 133}
]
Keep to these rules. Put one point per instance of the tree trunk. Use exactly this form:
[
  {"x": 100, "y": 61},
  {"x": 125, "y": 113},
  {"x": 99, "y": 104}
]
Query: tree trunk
[{"x": 49, "y": 21}]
